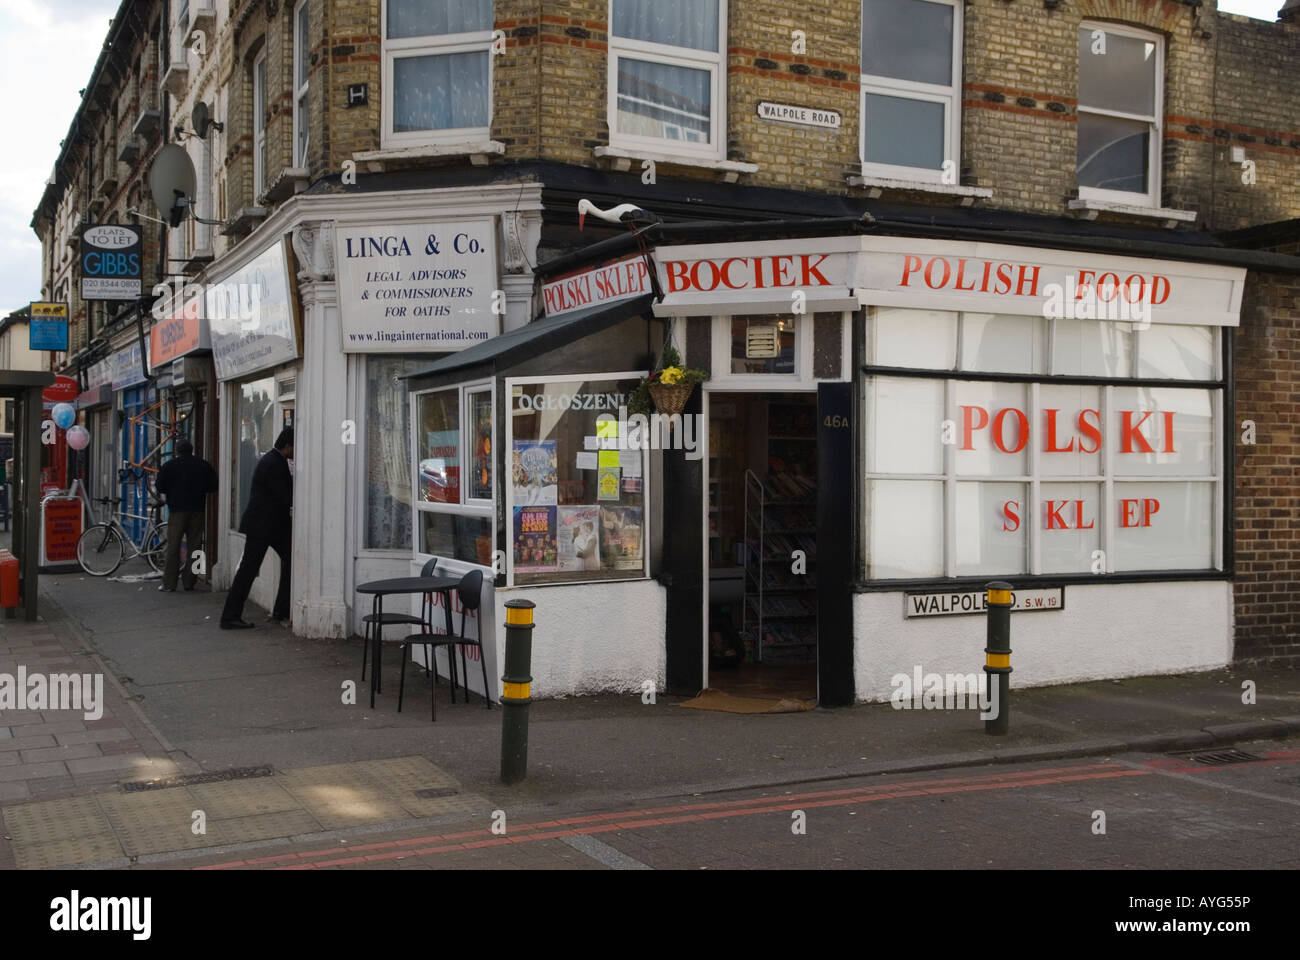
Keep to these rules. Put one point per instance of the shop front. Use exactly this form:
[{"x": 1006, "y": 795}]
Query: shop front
[
  {"x": 255, "y": 356},
  {"x": 889, "y": 424},
  {"x": 180, "y": 357},
  {"x": 522, "y": 468}
]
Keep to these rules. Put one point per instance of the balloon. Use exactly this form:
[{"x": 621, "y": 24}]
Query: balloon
[
  {"x": 65, "y": 415},
  {"x": 78, "y": 438}
]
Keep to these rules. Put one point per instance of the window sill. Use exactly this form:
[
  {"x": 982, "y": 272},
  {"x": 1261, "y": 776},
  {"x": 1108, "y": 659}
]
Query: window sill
[
  {"x": 242, "y": 223},
  {"x": 290, "y": 181},
  {"x": 622, "y": 158},
  {"x": 478, "y": 151},
  {"x": 1171, "y": 218},
  {"x": 876, "y": 185}
]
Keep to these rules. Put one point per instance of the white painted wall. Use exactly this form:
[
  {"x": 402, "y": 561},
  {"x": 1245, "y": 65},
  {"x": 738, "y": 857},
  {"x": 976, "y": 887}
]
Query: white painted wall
[
  {"x": 1105, "y": 631},
  {"x": 593, "y": 637}
]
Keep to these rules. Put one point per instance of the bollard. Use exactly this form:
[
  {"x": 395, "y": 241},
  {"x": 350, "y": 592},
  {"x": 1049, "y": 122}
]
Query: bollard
[
  {"x": 997, "y": 655},
  {"x": 516, "y": 696}
]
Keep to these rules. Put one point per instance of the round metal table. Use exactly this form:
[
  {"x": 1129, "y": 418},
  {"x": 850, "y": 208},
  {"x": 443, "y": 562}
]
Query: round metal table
[{"x": 379, "y": 589}]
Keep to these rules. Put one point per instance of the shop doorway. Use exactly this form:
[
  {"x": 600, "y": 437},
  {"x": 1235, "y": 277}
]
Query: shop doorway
[{"x": 761, "y": 519}]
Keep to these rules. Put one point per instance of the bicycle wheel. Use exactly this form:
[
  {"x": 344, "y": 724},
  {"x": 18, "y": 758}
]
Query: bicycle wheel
[
  {"x": 155, "y": 547},
  {"x": 99, "y": 550}
]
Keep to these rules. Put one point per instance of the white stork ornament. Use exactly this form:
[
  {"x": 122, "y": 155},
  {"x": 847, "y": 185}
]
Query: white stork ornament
[{"x": 628, "y": 213}]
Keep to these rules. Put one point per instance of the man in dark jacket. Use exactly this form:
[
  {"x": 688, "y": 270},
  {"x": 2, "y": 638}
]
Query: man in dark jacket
[
  {"x": 185, "y": 481},
  {"x": 267, "y": 524}
]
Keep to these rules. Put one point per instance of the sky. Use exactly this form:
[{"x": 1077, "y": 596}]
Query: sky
[{"x": 47, "y": 50}]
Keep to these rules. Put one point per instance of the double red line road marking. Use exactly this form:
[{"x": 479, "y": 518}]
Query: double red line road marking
[{"x": 718, "y": 810}]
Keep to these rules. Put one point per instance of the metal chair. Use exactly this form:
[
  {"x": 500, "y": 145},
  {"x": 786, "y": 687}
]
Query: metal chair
[
  {"x": 470, "y": 592},
  {"x": 374, "y": 621}
]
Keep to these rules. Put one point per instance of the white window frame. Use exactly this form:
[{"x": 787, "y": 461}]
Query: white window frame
[
  {"x": 300, "y": 50},
  {"x": 1152, "y": 196},
  {"x": 949, "y": 96},
  {"x": 433, "y": 45},
  {"x": 259, "y": 125},
  {"x": 1032, "y": 480},
  {"x": 466, "y": 507},
  {"x": 712, "y": 61}
]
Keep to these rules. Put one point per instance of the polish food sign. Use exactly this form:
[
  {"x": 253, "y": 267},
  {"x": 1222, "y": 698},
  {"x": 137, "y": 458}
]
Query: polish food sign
[{"x": 415, "y": 287}]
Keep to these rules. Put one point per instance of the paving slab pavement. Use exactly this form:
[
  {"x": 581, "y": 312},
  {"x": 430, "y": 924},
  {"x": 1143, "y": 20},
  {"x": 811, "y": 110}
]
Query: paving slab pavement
[{"x": 198, "y": 699}]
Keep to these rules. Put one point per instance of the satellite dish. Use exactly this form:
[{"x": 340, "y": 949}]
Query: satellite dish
[
  {"x": 171, "y": 178},
  {"x": 199, "y": 119}
]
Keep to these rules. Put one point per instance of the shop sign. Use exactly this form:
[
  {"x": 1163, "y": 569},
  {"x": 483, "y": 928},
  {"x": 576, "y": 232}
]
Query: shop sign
[
  {"x": 243, "y": 345},
  {"x": 621, "y": 280},
  {"x": 62, "y": 390},
  {"x": 182, "y": 333},
  {"x": 805, "y": 116},
  {"x": 111, "y": 261},
  {"x": 418, "y": 286},
  {"x": 949, "y": 603},
  {"x": 47, "y": 327},
  {"x": 953, "y": 275},
  {"x": 959, "y": 275},
  {"x": 125, "y": 367}
]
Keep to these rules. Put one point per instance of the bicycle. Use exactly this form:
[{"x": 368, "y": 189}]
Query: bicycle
[{"x": 101, "y": 549}]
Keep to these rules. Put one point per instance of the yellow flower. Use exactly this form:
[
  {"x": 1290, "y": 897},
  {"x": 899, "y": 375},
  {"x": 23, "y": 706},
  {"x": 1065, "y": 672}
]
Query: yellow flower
[{"x": 670, "y": 375}]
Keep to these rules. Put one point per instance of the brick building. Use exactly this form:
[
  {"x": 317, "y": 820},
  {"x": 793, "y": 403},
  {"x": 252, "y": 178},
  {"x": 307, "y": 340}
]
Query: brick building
[{"x": 1151, "y": 136}]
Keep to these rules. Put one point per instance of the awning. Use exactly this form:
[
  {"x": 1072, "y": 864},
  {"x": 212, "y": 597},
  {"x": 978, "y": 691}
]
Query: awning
[{"x": 539, "y": 337}]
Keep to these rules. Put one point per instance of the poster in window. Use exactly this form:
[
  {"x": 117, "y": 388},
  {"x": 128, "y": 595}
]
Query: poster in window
[
  {"x": 578, "y": 538},
  {"x": 607, "y": 483},
  {"x": 481, "y": 449},
  {"x": 620, "y": 537},
  {"x": 535, "y": 472},
  {"x": 535, "y": 547},
  {"x": 440, "y": 469}
]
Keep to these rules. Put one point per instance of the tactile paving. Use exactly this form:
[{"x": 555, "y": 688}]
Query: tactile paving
[
  {"x": 264, "y": 826},
  {"x": 53, "y": 820},
  {"x": 238, "y": 798},
  {"x": 66, "y": 853}
]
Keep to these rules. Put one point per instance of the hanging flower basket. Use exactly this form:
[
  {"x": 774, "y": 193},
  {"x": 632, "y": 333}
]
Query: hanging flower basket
[{"x": 670, "y": 398}]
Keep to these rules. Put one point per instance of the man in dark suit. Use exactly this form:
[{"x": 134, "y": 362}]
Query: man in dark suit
[
  {"x": 185, "y": 480},
  {"x": 267, "y": 524}
]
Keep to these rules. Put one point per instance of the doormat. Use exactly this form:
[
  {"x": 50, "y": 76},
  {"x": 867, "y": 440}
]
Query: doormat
[{"x": 718, "y": 700}]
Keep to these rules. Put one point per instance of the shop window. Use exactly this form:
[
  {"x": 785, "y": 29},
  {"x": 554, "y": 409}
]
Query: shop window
[
  {"x": 301, "y": 64},
  {"x": 454, "y": 482},
  {"x": 911, "y": 89},
  {"x": 437, "y": 65},
  {"x": 980, "y": 477},
  {"x": 763, "y": 344},
  {"x": 257, "y": 426},
  {"x": 666, "y": 76},
  {"x": 1121, "y": 73},
  {"x": 259, "y": 125},
  {"x": 577, "y": 495},
  {"x": 388, "y": 452}
]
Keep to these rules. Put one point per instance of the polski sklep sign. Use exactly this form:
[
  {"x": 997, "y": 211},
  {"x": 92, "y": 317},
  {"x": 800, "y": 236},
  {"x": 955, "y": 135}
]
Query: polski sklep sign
[
  {"x": 260, "y": 333},
  {"x": 418, "y": 286},
  {"x": 111, "y": 261}
]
